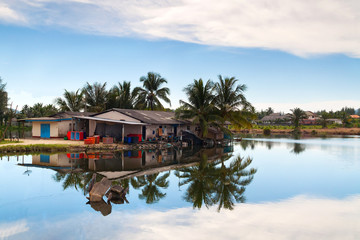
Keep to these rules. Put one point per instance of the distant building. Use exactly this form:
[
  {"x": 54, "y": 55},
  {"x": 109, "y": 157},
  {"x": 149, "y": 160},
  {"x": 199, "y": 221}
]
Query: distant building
[
  {"x": 276, "y": 118},
  {"x": 354, "y": 116}
]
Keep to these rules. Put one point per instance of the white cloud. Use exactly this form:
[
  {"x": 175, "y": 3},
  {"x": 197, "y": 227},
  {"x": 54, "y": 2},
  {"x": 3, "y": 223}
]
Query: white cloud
[
  {"x": 301, "y": 217},
  {"x": 309, "y": 106},
  {"x": 12, "y": 228},
  {"x": 22, "y": 98},
  {"x": 9, "y": 15},
  {"x": 300, "y": 27}
]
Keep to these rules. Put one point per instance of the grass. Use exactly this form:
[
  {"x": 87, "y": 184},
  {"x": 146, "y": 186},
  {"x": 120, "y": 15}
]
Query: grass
[{"x": 8, "y": 141}]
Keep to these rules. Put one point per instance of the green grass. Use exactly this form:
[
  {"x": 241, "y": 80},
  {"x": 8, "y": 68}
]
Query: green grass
[{"x": 8, "y": 141}]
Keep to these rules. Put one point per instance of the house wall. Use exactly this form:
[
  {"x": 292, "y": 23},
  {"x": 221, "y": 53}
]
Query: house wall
[
  {"x": 36, "y": 129},
  {"x": 117, "y": 116},
  {"x": 63, "y": 128},
  {"x": 132, "y": 129},
  {"x": 151, "y": 130}
]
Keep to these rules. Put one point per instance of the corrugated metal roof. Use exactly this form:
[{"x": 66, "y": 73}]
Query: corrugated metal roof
[
  {"x": 110, "y": 120},
  {"x": 150, "y": 117}
]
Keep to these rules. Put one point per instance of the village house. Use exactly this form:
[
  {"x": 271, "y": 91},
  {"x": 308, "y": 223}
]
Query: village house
[
  {"x": 54, "y": 126},
  {"x": 276, "y": 118},
  {"x": 144, "y": 124}
]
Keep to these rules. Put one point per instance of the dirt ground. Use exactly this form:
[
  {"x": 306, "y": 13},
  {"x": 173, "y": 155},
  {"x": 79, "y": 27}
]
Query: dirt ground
[{"x": 29, "y": 141}]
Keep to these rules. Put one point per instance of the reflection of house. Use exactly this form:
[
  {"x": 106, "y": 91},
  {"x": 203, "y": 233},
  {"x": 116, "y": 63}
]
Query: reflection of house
[{"x": 54, "y": 126}]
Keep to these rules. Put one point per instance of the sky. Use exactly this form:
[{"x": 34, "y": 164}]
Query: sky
[{"x": 297, "y": 53}]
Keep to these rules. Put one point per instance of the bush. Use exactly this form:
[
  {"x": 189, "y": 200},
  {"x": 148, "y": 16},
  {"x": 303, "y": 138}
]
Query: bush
[{"x": 267, "y": 132}]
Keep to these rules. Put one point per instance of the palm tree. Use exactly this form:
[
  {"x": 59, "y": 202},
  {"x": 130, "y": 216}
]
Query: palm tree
[
  {"x": 231, "y": 102},
  {"x": 199, "y": 108},
  {"x": 73, "y": 101},
  {"x": 122, "y": 96},
  {"x": 324, "y": 116},
  {"x": 149, "y": 96},
  {"x": 345, "y": 119},
  {"x": 297, "y": 116},
  {"x": 151, "y": 185},
  {"x": 39, "y": 110},
  {"x": 231, "y": 181},
  {"x": 3, "y": 100},
  {"x": 95, "y": 97}
]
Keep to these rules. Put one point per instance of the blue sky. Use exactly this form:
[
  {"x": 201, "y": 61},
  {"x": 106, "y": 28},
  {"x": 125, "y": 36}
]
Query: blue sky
[{"x": 289, "y": 54}]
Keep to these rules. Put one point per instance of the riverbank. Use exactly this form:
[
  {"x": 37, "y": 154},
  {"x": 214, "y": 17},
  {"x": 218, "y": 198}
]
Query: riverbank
[
  {"x": 59, "y": 145},
  {"x": 319, "y": 132}
]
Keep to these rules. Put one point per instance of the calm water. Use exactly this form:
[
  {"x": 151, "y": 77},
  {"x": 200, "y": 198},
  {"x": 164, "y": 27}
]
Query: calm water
[{"x": 259, "y": 189}]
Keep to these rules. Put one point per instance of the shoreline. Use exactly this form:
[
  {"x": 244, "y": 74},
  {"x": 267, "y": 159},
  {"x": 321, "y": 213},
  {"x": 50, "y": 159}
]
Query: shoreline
[
  {"x": 53, "y": 146},
  {"x": 312, "y": 132}
]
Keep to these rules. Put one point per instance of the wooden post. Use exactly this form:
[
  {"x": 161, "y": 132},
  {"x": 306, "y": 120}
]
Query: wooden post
[{"x": 122, "y": 134}]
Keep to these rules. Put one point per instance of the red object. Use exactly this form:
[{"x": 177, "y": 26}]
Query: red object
[
  {"x": 68, "y": 135},
  {"x": 89, "y": 140},
  {"x": 97, "y": 139},
  {"x": 136, "y": 135},
  {"x": 139, "y": 154}
]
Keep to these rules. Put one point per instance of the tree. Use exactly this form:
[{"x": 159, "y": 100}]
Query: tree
[
  {"x": 73, "y": 101},
  {"x": 3, "y": 100},
  {"x": 39, "y": 110},
  {"x": 297, "y": 116},
  {"x": 231, "y": 102},
  {"x": 121, "y": 96},
  {"x": 324, "y": 116},
  {"x": 149, "y": 96},
  {"x": 95, "y": 97},
  {"x": 345, "y": 118},
  {"x": 199, "y": 108}
]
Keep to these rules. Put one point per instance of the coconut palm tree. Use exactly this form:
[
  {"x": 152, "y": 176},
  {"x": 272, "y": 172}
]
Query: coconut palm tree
[
  {"x": 95, "y": 97},
  {"x": 199, "y": 108},
  {"x": 150, "y": 95},
  {"x": 232, "y": 103},
  {"x": 151, "y": 185},
  {"x": 324, "y": 116},
  {"x": 72, "y": 101},
  {"x": 297, "y": 116},
  {"x": 121, "y": 96}
]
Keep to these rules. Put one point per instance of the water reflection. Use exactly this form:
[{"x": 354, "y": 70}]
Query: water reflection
[
  {"x": 212, "y": 183},
  {"x": 206, "y": 174},
  {"x": 295, "y": 147}
]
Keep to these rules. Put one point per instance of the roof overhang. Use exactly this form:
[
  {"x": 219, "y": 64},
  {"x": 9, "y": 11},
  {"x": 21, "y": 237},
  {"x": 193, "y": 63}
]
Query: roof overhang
[
  {"x": 110, "y": 120},
  {"x": 44, "y": 119}
]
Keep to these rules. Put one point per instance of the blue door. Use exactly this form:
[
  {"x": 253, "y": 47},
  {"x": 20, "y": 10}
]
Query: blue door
[{"x": 45, "y": 131}]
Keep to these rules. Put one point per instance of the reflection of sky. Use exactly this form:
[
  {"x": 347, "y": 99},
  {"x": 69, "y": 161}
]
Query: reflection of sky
[
  {"x": 301, "y": 217},
  {"x": 327, "y": 171}
]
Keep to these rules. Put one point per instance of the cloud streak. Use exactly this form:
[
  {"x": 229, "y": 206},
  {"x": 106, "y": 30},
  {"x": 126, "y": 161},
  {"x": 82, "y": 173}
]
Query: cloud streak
[
  {"x": 301, "y": 217},
  {"x": 301, "y": 27}
]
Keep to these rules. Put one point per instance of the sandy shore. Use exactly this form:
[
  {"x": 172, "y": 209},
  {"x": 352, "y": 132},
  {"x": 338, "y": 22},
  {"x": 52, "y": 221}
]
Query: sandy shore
[{"x": 31, "y": 141}]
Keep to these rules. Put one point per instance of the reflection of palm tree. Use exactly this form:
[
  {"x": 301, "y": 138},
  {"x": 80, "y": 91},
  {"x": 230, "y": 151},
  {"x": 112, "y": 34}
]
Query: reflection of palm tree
[
  {"x": 201, "y": 183},
  {"x": 230, "y": 184},
  {"x": 77, "y": 180},
  {"x": 298, "y": 148},
  {"x": 151, "y": 185},
  {"x": 71, "y": 179}
]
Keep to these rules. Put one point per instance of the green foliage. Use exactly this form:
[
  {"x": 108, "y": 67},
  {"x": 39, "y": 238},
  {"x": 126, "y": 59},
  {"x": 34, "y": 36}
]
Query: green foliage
[
  {"x": 267, "y": 132},
  {"x": 150, "y": 94},
  {"x": 297, "y": 115},
  {"x": 96, "y": 97},
  {"x": 72, "y": 101},
  {"x": 121, "y": 96}
]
